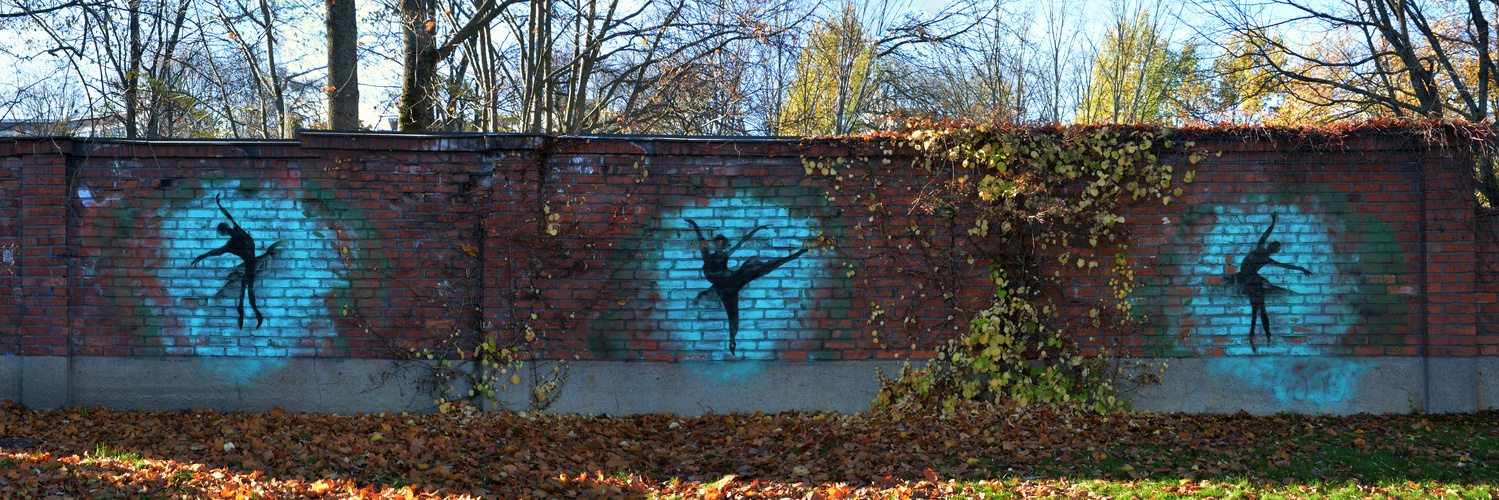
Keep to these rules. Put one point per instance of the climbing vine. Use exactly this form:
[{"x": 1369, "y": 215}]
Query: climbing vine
[
  {"x": 459, "y": 361},
  {"x": 1038, "y": 209},
  {"x": 457, "y": 354}
]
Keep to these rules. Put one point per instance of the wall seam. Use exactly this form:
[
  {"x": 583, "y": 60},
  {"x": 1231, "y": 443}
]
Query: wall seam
[{"x": 1424, "y": 349}]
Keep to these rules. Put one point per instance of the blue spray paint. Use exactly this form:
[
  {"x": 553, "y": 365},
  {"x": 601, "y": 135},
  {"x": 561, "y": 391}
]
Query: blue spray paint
[
  {"x": 1310, "y": 314},
  {"x": 292, "y": 291},
  {"x": 690, "y": 320},
  {"x": 1322, "y": 381}
]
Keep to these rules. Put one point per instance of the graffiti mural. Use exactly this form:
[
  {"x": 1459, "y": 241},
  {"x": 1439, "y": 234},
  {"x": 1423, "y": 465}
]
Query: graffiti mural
[
  {"x": 164, "y": 265},
  {"x": 241, "y": 245},
  {"x": 725, "y": 284},
  {"x": 1226, "y": 257},
  {"x": 691, "y": 289},
  {"x": 1256, "y": 287},
  {"x": 1300, "y": 265}
]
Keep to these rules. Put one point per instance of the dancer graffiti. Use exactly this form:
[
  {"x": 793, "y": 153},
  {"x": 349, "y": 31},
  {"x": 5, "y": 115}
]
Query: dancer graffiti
[
  {"x": 1256, "y": 287},
  {"x": 242, "y": 245},
  {"x": 727, "y": 284}
]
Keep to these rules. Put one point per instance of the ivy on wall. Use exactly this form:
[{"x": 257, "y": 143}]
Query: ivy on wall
[{"x": 1025, "y": 203}]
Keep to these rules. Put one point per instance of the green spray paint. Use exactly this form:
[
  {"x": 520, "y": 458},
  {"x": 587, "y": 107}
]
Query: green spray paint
[
  {"x": 1314, "y": 222},
  {"x": 145, "y": 248},
  {"x": 663, "y": 287}
]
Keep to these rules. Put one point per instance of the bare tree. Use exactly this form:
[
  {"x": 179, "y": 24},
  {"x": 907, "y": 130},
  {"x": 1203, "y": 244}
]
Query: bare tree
[
  {"x": 988, "y": 74},
  {"x": 1397, "y": 58},
  {"x": 49, "y": 107},
  {"x": 1376, "y": 57},
  {"x": 590, "y": 66},
  {"x": 1139, "y": 73},
  {"x": 421, "y": 53},
  {"x": 267, "y": 78},
  {"x": 115, "y": 57},
  {"x": 871, "y": 64},
  {"x": 1062, "y": 37},
  {"x": 167, "y": 67}
]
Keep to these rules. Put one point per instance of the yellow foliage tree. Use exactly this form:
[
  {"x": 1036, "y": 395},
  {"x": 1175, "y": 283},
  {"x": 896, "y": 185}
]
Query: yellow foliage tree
[
  {"x": 835, "y": 82},
  {"x": 1243, "y": 89},
  {"x": 1138, "y": 77}
]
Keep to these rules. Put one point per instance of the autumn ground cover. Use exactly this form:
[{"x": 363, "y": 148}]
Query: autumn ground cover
[{"x": 979, "y": 451}]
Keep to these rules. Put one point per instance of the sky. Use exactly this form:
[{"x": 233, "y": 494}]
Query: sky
[{"x": 301, "y": 51}]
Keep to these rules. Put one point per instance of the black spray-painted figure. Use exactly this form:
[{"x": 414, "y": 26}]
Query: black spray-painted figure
[
  {"x": 1256, "y": 287},
  {"x": 241, "y": 245},
  {"x": 728, "y": 283}
]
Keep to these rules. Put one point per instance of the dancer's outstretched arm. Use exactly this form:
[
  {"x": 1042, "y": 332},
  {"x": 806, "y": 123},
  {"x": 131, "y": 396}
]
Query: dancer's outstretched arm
[
  {"x": 702, "y": 243},
  {"x": 745, "y": 238},
  {"x": 1289, "y": 266},
  {"x": 212, "y": 253},
  {"x": 226, "y": 212},
  {"x": 1268, "y": 230}
]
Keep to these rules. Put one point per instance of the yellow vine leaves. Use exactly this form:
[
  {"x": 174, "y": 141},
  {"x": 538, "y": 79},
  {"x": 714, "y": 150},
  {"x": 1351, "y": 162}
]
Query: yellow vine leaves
[{"x": 1060, "y": 192}]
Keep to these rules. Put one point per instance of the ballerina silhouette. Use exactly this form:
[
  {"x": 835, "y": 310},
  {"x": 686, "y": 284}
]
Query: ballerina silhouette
[
  {"x": 1254, "y": 286},
  {"x": 241, "y": 245},
  {"x": 727, "y": 284}
]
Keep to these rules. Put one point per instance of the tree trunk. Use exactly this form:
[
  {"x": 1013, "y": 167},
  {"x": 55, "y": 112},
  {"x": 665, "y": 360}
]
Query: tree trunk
[
  {"x": 416, "y": 90},
  {"x": 133, "y": 77},
  {"x": 418, "y": 65},
  {"x": 536, "y": 66},
  {"x": 343, "y": 65},
  {"x": 277, "y": 91}
]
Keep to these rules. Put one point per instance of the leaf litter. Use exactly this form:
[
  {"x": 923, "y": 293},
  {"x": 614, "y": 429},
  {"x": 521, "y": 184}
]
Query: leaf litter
[{"x": 977, "y": 451}]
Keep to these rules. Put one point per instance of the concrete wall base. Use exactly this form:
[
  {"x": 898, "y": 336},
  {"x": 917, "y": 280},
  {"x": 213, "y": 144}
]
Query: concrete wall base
[
  {"x": 1258, "y": 385},
  {"x": 44, "y": 381}
]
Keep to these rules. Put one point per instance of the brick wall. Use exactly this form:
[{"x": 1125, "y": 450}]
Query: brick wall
[
  {"x": 1486, "y": 300},
  {"x": 10, "y": 258},
  {"x": 40, "y": 243},
  {"x": 367, "y": 245}
]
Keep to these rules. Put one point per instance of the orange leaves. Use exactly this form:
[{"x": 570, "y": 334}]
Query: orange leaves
[
  {"x": 836, "y": 491},
  {"x": 715, "y": 490},
  {"x": 469, "y": 454},
  {"x": 237, "y": 493}
]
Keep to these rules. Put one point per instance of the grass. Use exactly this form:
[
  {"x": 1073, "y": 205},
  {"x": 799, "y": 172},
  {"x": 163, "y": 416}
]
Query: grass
[
  {"x": 1303, "y": 457},
  {"x": 1239, "y": 489},
  {"x": 104, "y": 452}
]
